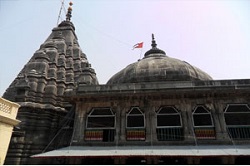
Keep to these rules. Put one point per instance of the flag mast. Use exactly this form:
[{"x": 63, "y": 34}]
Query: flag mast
[
  {"x": 138, "y": 45},
  {"x": 140, "y": 53}
]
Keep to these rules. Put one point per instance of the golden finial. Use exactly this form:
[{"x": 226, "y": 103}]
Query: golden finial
[{"x": 68, "y": 15}]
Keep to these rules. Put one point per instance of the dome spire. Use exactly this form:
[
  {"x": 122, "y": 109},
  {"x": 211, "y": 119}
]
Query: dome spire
[
  {"x": 154, "y": 51},
  {"x": 153, "y": 41},
  {"x": 68, "y": 15}
]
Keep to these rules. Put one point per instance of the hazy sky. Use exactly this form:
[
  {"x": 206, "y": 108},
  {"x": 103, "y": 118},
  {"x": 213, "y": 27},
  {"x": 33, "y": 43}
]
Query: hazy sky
[{"x": 213, "y": 35}]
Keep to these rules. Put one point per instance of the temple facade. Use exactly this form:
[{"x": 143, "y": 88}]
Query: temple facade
[{"x": 158, "y": 110}]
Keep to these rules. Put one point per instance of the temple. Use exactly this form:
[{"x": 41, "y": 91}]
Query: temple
[{"x": 158, "y": 110}]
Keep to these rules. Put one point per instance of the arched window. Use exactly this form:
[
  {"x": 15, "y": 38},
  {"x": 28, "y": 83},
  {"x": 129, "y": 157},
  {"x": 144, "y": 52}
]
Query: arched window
[
  {"x": 237, "y": 120},
  {"x": 135, "y": 118},
  {"x": 168, "y": 116},
  {"x": 169, "y": 124},
  {"x": 203, "y": 123},
  {"x": 100, "y": 125},
  {"x": 135, "y": 125}
]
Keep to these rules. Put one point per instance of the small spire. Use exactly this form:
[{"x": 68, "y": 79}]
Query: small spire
[
  {"x": 154, "y": 51},
  {"x": 68, "y": 15},
  {"x": 153, "y": 41}
]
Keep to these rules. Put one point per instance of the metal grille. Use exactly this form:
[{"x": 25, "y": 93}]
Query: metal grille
[
  {"x": 242, "y": 132},
  {"x": 170, "y": 134}
]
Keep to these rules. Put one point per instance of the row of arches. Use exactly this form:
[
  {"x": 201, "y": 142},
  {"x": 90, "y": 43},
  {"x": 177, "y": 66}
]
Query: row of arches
[{"x": 101, "y": 123}]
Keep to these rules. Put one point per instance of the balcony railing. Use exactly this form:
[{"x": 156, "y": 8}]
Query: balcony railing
[
  {"x": 170, "y": 134},
  {"x": 239, "y": 132}
]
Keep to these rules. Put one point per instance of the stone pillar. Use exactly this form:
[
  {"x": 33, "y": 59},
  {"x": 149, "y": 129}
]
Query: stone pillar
[
  {"x": 153, "y": 124},
  {"x": 80, "y": 122},
  {"x": 76, "y": 124},
  {"x": 215, "y": 115},
  {"x": 148, "y": 124},
  {"x": 83, "y": 120},
  {"x": 222, "y": 123},
  {"x": 123, "y": 124},
  {"x": 186, "y": 114},
  {"x": 118, "y": 124}
]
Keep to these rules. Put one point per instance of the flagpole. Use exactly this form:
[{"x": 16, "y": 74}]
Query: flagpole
[
  {"x": 138, "y": 45},
  {"x": 140, "y": 53}
]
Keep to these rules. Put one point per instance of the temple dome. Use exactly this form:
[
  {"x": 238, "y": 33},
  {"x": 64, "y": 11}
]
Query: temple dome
[{"x": 157, "y": 67}]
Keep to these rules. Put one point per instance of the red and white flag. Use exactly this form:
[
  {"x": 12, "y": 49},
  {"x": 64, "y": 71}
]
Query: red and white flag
[{"x": 138, "y": 45}]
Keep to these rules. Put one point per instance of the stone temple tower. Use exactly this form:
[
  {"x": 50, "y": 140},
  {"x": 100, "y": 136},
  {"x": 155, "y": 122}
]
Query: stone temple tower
[{"x": 46, "y": 118}]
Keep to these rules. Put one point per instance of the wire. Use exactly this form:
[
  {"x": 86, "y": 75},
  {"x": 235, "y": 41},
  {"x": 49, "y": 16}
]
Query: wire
[
  {"x": 64, "y": 123},
  {"x": 102, "y": 32},
  {"x": 59, "y": 15}
]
